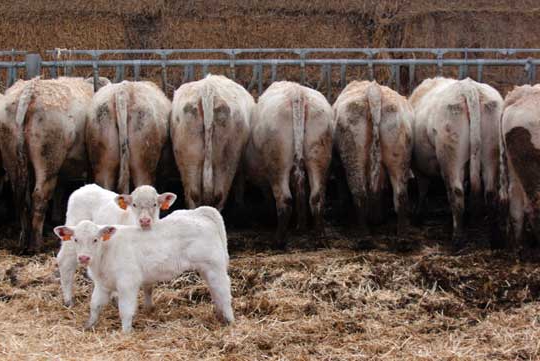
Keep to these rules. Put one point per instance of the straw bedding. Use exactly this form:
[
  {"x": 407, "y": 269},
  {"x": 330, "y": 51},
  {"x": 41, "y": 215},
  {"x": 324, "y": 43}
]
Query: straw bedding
[{"x": 321, "y": 304}]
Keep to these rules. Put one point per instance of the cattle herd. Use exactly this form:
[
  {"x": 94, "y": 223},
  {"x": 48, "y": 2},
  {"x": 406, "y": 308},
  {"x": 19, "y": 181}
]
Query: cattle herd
[{"x": 461, "y": 130}]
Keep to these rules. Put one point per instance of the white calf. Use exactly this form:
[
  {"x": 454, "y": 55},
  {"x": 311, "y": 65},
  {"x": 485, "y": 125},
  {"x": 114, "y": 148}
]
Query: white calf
[
  {"x": 123, "y": 259},
  {"x": 93, "y": 203}
]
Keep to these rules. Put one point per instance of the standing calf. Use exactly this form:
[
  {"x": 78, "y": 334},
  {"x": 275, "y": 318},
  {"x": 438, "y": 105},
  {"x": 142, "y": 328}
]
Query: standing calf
[
  {"x": 126, "y": 258},
  {"x": 93, "y": 203},
  {"x": 456, "y": 132},
  {"x": 373, "y": 136},
  {"x": 291, "y": 135}
]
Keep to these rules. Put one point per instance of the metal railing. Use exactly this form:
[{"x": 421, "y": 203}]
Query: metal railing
[{"x": 326, "y": 62}]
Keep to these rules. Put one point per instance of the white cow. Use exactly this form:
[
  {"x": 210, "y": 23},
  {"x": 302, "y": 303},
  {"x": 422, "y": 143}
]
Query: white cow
[
  {"x": 520, "y": 129},
  {"x": 209, "y": 124},
  {"x": 93, "y": 203},
  {"x": 373, "y": 136},
  {"x": 456, "y": 132},
  {"x": 123, "y": 259},
  {"x": 290, "y": 147}
]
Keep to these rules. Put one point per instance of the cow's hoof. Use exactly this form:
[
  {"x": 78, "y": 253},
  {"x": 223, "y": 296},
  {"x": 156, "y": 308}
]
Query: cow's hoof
[{"x": 458, "y": 244}]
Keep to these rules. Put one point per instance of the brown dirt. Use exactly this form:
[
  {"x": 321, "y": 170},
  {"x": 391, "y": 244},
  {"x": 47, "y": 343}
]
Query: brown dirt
[{"x": 325, "y": 304}]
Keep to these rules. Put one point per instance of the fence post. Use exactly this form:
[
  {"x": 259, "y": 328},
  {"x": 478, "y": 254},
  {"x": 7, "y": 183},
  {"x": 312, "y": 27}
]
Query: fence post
[{"x": 33, "y": 65}]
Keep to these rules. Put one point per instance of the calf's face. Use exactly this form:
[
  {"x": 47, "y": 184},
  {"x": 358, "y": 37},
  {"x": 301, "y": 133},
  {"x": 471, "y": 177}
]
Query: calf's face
[
  {"x": 88, "y": 238},
  {"x": 145, "y": 204}
]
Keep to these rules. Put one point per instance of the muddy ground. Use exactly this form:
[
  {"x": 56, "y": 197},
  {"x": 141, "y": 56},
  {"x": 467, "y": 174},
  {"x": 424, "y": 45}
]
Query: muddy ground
[{"x": 374, "y": 297}]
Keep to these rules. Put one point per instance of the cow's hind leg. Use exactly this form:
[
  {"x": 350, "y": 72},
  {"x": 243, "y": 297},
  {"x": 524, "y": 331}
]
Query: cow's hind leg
[
  {"x": 456, "y": 198},
  {"x": 43, "y": 192},
  {"x": 317, "y": 180},
  {"x": 398, "y": 179},
  {"x": 283, "y": 197},
  {"x": 422, "y": 183}
]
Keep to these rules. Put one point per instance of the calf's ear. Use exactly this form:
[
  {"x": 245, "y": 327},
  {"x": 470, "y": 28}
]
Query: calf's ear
[
  {"x": 106, "y": 232},
  {"x": 63, "y": 232},
  {"x": 123, "y": 200},
  {"x": 166, "y": 200}
]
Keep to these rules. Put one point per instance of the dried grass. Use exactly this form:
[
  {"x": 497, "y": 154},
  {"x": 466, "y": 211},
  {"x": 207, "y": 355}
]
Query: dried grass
[
  {"x": 334, "y": 304},
  {"x": 98, "y": 24}
]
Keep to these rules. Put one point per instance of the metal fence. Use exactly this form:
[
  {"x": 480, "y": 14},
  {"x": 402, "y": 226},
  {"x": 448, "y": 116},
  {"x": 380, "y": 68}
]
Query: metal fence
[{"x": 331, "y": 65}]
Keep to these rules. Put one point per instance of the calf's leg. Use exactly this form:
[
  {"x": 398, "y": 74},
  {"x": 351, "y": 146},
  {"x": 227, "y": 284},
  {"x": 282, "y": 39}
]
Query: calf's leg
[
  {"x": 220, "y": 288},
  {"x": 67, "y": 264}
]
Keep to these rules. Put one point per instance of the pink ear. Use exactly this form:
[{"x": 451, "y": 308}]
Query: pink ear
[
  {"x": 123, "y": 200},
  {"x": 64, "y": 233},
  {"x": 166, "y": 200},
  {"x": 107, "y": 232}
]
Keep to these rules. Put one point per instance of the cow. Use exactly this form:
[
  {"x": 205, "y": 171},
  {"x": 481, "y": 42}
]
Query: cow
[
  {"x": 520, "y": 155},
  {"x": 126, "y": 131},
  {"x": 123, "y": 259},
  {"x": 210, "y": 126},
  {"x": 291, "y": 138},
  {"x": 42, "y": 129},
  {"x": 456, "y": 132},
  {"x": 94, "y": 203},
  {"x": 373, "y": 137}
]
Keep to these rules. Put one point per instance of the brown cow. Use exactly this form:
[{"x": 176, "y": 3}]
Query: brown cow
[
  {"x": 457, "y": 126},
  {"x": 520, "y": 129},
  {"x": 373, "y": 136},
  {"x": 209, "y": 130},
  {"x": 291, "y": 135},
  {"x": 42, "y": 130},
  {"x": 126, "y": 131}
]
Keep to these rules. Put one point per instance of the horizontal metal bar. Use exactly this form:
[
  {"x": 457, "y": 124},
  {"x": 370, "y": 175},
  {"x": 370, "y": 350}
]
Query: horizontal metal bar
[
  {"x": 305, "y": 51},
  {"x": 241, "y": 62}
]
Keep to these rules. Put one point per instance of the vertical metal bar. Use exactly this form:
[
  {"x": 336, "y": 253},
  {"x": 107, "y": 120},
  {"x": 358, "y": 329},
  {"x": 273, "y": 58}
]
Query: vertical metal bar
[
  {"x": 328, "y": 75},
  {"x": 260, "y": 78},
  {"x": 391, "y": 81},
  {"x": 531, "y": 71},
  {"x": 274, "y": 72},
  {"x": 302, "y": 68},
  {"x": 462, "y": 72},
  {"x": 33, "y": 65},
  {"x": 411, "y": 77},
  {"x": 11, "y": 76},
  {"x": 205, "y": 69},
  {"x": 137, "y": 70},
  {"x": 480, "y": 72},
  {"x": 95, "y": 72},
  {"x": 119, "y": 73},
  {"x": 164, "y": 74},
  {"x": 342, "y": 76},
  {"x": 439, "y": 63},
  {"x": 68, "y": 70},
  {"x": 54, "y": 68},
  {"x": 397, "y": 78},
  {"x": 232, "y": 69},
  {"x": 370, "y": 70}
]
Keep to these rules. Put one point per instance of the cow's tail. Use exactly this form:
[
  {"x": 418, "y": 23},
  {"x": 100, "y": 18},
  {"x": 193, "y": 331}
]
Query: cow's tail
[
  {"x": 121, "y": 99},
  {"x": 473, "y": 108},
  {"x": 299, "y": 114},
  {"x": 207, "y": 100},
  {"x": 374, "y": 97},
  {"x": 21, "y": 185},
  {"x": 503, "y": 180}
]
